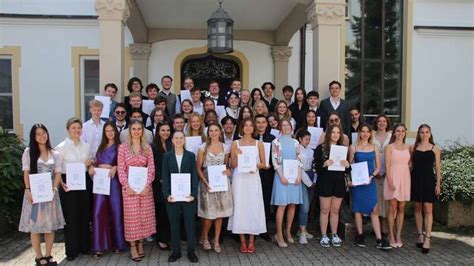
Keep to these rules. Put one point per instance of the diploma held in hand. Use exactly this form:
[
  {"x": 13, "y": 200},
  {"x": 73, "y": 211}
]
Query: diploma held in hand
[
  {"x": 76, "y": 176},
  {"x": 217, "y": 178},
  {"x": 290, "y": 170},
  {"x": 185, "y": 95},
  {"x": 137, "y": 178},
  {"x": 337, "y": 153},
  {"x": 193, "y": 143},
  {"x": 41, "y": 187},
  {"x": 101, "y": 181},
  {"x": 105, "y": 100},
  {"x": 148, "y": 106},
  {"x": 180, "y": 186},
  {"x": 316, "y": 133},
  {"x": 267, "y": 147},
  {"x": 247, "y": 161},
  {"x": 360, "y": 174}
]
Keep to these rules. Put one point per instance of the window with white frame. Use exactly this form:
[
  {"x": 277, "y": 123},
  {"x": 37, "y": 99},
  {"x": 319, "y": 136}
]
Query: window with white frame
[
  {"x": 6, "y": 93},
  {"x": 89, "y": 82}
]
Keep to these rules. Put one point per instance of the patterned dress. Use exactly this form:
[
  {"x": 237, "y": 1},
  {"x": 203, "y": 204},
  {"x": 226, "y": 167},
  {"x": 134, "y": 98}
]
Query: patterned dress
[
  {"x": 138, "y": 211},
  {"x": 45, "y": 217},
  {"x": 213, "y": 205}
]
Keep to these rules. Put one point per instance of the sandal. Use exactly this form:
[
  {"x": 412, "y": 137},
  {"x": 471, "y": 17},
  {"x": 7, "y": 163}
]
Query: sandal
[
  {"x": 217, "y": 247},
  {"x": 206, "y": 246},
  {"x": 39, "y": 261},
  {"x": 50, "y": 260},
  {"x": 419, "y": 244},
  {"x": 97, "y": 255},
  {"x": 426, "y": 250},
  {"x": 243, "y": 248},
  {"x": 142, "y": 255},
  {"x": 135, "y": 259},
  {"x": 251, "y": 248}
]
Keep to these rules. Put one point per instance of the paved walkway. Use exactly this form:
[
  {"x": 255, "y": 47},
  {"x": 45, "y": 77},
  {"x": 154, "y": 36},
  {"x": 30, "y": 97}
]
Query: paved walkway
[{"x": 446, "y": 249}]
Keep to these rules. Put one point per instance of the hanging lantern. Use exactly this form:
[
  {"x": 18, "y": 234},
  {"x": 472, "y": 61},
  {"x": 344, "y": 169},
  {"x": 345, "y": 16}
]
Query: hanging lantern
[{"x": 220, "y": 32}]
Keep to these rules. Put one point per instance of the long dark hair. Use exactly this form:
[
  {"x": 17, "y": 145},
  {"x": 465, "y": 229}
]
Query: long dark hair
[
  {"x": 34, "y": 147},
  {"x": 327, "y": 138},
  {"x": 305, "y": 122},
  {"x": 104, "y": 141},
  {"x": 157, "y": 139},
  {"x": 418, "y": 138}
]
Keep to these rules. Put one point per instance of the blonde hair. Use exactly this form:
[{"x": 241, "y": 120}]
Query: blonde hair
[
  {"x": 201, "y": 128},
  {"x": 208, "y": 138},
  {"x": 262, "y": 103},
  {"x": 95, "y": 103},
  {"x": 287, "y": 115},
  {"x": 135, "y": 94},
  {"x": 143, "y": 142}
]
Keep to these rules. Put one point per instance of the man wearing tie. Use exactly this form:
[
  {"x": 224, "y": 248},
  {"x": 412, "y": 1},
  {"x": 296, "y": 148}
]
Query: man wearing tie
[{"x": 334, "y": 103}]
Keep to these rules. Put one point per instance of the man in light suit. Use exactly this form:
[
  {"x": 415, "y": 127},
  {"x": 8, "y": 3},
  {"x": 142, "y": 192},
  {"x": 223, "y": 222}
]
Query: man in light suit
[{"x": 334, "y": 104}]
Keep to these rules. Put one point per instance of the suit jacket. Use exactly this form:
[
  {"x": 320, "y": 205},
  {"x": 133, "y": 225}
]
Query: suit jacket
[
  {"x": 267, "y": 173},
  {"x": 342, "y": 110},
  {"x": 170, "y": 165},
  {"x": 271, "y": 105},
  {"x": 299, "y": 115}
]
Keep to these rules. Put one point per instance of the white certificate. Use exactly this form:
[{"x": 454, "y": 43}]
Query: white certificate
[
  {"x": 148, "y": 106},
  {"x": 275, "y": 132},
  {"x": 105, "y": 100},
  {"x": 290, "y": 170},
  {"x": 267, "y": 146},
  {"x": 137, "y": 178},
  {"x": 76, "y": 176},
  {"x": 185, "y": 95},
  {"x": 101, "y": 181},
  {"x": 354, "y": 136},
  {"x": 247, "y": 161},
  {"x": 360, "y": 174},
  {"x": 193, "y": 143},
  {"x": 180, "y": 186},
  {"x": 316, "y": 133},
  {"x": 318, "y": 119},
  {"x": 337, "y": 153},
  {"x": 41, "y": 187},
  {"x": 217, "y": 178},
  {"x": 220, "y": 110}
]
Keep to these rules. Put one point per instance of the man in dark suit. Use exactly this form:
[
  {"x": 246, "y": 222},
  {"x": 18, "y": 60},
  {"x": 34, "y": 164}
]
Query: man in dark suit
[
  {"x": 268, "y": 88},
  {"x": 214, "y": 90},
  {"x": 334, "y": 104},
  {"x": 266, "y": 175}
]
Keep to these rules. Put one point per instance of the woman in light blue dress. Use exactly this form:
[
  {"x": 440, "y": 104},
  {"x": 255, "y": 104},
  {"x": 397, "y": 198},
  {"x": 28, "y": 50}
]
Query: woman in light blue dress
[{"x": 286, "y": 193}]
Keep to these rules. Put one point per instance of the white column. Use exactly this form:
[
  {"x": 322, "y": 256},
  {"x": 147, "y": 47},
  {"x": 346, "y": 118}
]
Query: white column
[
  {"x": 326, "y": 18},
  {"x": 281, "y": 56},
  {"x": 140, "y": 53},
  {"x": 112, "y": 16}
]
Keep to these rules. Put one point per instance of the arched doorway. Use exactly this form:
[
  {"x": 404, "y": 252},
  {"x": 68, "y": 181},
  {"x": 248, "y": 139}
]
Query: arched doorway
[{"x": 206, "y": 67}]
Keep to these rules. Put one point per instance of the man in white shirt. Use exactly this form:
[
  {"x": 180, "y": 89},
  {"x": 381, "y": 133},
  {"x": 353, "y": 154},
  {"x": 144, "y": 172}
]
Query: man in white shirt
[{"x": 92, "y": 128}]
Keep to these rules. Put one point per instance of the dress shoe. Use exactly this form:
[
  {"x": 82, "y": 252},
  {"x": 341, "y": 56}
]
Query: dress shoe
[
  {"x": 174, "y": 257},
  {"x": 192, "y": 257}
]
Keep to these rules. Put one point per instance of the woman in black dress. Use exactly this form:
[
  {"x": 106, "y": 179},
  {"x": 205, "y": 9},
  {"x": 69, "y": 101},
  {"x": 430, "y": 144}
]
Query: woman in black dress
[
  {"x": 425, "y": 186},
  {"x": 161, "y": 144}
]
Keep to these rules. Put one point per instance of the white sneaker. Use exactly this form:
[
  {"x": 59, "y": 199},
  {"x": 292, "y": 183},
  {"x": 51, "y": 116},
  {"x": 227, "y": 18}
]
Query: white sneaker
[
  {"x": 325, "y": 242},
  {"x": 336, "y": 241},
  {"x": 308, "y": 235},
  {"x": 302, "y": 239}
]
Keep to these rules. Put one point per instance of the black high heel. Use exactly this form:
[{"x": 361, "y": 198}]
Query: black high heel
[
  {"x": 39, "y": 260},
  {"x": 50, "y": 262},
  {"x": 418, "y": 244},
  {"x": 426, "y": 250}
]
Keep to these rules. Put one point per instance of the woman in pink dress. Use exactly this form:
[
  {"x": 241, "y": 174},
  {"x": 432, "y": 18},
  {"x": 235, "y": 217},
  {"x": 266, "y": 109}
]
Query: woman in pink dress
[
  {"x": 138, "y": 206},
  {"x": 397, "y": 182}
]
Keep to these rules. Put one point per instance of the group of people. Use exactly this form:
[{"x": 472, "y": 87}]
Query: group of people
[{"x": 227, "y": 124}]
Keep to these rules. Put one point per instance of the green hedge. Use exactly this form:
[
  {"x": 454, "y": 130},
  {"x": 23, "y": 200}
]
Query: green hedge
[
  {"x": 457, "y": 183},
  {"x": 11, "y": 177}
]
